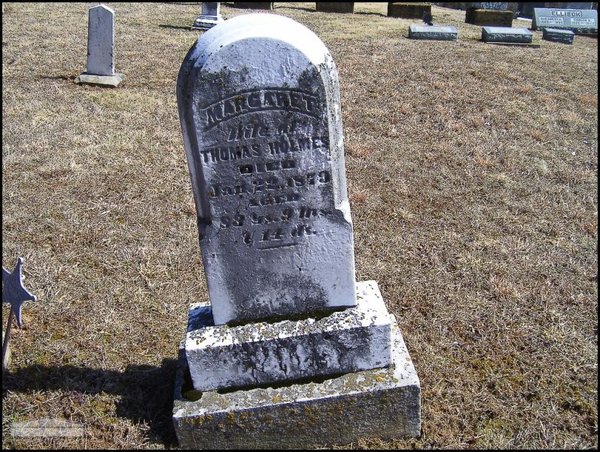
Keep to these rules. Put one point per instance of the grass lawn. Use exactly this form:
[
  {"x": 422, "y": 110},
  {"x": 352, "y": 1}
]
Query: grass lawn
[{"x": 472, "y": 175}]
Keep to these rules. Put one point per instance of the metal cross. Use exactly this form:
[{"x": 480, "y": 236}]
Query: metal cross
[{"x": 14, "y": 293}]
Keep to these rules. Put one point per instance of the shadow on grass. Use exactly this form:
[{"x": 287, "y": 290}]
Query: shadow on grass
[
  {"x": 59, "y": 77},
  {"x": 370, "y": 14},
  {"x": 175, "y": 27},
  {"x": 146, "y": 392},
  {"x": 294, "y": 7}
]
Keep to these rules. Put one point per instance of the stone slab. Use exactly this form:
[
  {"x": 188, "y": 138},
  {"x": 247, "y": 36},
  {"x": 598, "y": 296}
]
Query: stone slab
[
  {"x": 506, "y": 34},
  {"x": 259, "y": 106},
  {"x": 435, "y": 32},
  {"x": 358, "y": 338},
  {"x": 106, "y": 80},
  {"x": 558, "y": 35},
  {"x": 379, "y": 403},
  {"x": 579, "y": 21}
]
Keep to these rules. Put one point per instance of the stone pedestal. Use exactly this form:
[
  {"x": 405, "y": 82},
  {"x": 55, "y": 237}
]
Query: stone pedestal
[
  {"x": 105, "y": 80},
  {"x": 222, "y": 357},
  {"x": 209, "y": 16},
  {"x": 380, "y": 403}
]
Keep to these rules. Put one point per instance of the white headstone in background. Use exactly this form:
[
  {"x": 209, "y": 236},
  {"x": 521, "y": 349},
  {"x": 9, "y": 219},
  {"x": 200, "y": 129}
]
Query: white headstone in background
[
  {"x": 100, "y": 69},
  {"x": 209, "y": 16},
  {"x": 101, "y": 41},
  {"x": 263, "y": 134}
]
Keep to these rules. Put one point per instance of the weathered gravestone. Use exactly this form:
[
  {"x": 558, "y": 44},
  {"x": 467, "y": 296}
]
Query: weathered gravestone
[
  {"x": 291, "y": 351},
  {"x": 209, "y": 16},
  {"x": 579, "y": 21},
  {"x": 100, "y": 69}
]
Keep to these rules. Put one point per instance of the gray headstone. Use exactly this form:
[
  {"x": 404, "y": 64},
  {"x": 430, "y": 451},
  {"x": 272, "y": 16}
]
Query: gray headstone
[
  {"x": 259, "y": 106},
  {"x": 506, "y": 34},
  {"x": 580, "y": 21},
  {"x": 558, "y": 35},
  {"x": 435, "y": 32},
  {"x": 101, "y": 41},
  {"x": 210, "y": 16}
]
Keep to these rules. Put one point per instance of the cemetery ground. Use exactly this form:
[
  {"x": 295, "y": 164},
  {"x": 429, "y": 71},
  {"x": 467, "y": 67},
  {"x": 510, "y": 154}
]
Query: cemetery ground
[{"x": 472, "y": 176}]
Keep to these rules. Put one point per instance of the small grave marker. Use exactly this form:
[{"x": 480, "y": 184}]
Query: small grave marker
[
  {"x": 100, "y": 69},
  {"x": 210, "y": 16}
]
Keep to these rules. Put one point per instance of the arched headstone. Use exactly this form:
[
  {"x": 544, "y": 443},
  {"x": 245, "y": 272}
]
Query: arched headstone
[{"x": 263, "y": 135}]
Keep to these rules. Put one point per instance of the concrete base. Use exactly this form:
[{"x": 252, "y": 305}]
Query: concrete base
[
  {"x": 206, "y": 22},
  {"x": 436, "y": 33},
  {"x": 353, "y": 339},
  {"x": 379, "y": 403},
  {"x": 105, "y": 80}
]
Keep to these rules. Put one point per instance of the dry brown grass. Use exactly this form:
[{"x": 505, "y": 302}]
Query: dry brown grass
[{"x": 472, "y": 170}]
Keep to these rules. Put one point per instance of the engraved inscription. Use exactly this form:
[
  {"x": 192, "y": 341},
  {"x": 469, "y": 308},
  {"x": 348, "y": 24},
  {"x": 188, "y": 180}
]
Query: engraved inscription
[
  {"x": 259, "y": 100},
  {"x": 268, "y": 169}
]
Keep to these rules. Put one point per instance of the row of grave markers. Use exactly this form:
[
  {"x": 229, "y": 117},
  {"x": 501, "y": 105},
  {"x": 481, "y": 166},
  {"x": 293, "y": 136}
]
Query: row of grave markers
[{"x": 559, "y": 25}]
